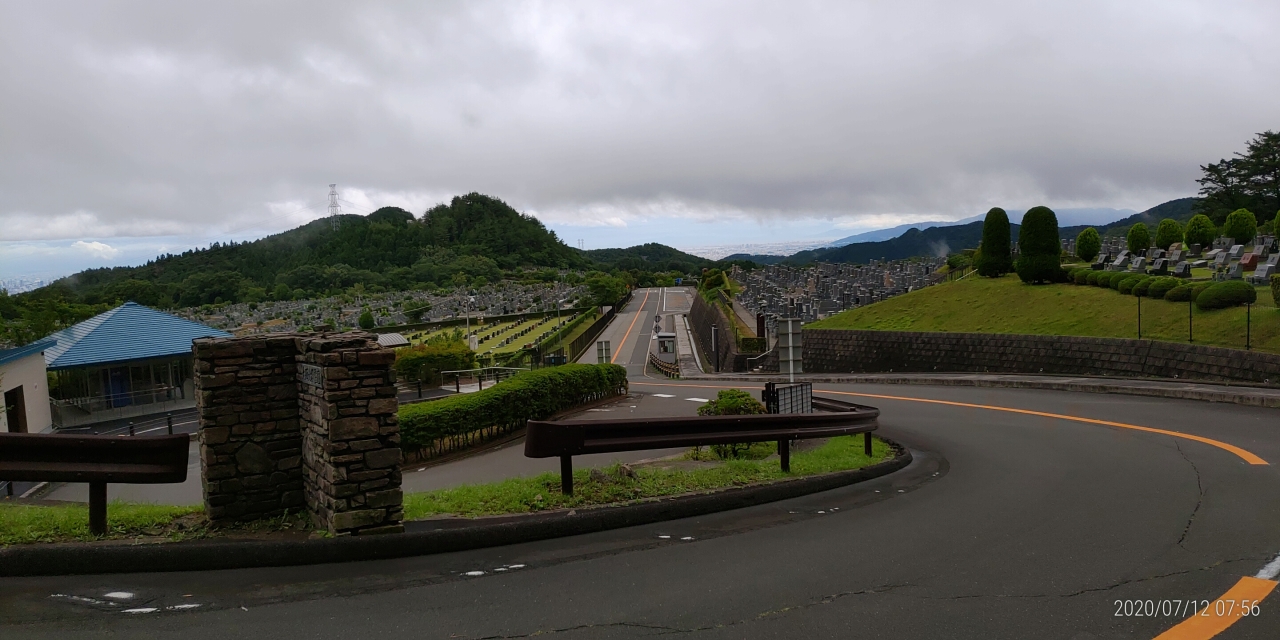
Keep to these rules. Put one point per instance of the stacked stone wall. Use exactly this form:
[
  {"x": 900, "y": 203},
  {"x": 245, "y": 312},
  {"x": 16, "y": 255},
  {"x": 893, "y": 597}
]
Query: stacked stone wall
[
  {"x": 289, "y": 421},
  {"x": 251, "y": 448},
  {"x": 847, "y": 351},
  {"x": 701, "y": 317},
  {"x": 347, "y": 404}
]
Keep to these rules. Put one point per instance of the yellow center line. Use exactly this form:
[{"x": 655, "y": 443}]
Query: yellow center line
[
  {"x": 623, "y": 342},
  {"x": 1247, "y": 456},
  {"x": 1223, "y": 612}
]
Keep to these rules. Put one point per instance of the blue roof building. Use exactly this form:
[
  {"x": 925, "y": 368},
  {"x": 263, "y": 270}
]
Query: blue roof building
[{"x": 131, "y": 360}]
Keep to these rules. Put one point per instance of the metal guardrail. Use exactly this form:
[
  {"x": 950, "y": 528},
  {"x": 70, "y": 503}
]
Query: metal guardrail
[
  {"x": 117, "y": 400},
  {"x": 667, "y": 369},
  {"x": 567, "y": 438},
  {"x": 96, "y": 460}
]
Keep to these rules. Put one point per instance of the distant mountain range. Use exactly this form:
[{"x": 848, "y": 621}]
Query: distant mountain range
[{"x": 944, "y": 238}]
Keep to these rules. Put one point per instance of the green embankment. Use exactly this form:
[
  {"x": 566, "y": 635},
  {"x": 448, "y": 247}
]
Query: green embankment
[{"x": 1006, "y": 305}]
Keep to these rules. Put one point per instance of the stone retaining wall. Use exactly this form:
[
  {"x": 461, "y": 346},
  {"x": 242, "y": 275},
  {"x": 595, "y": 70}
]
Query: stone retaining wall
[
  {"x": 701, "y": 317},
  {"x": 294, "y": 420},
  {"x": 847, "y": 351}
]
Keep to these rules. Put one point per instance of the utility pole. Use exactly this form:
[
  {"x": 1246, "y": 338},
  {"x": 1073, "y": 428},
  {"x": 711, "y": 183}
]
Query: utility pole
[{"x": 334, "y": 208}]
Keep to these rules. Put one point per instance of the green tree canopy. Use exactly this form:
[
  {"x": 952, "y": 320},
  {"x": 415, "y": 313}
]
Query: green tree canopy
[
  {"x": 1138, "y": 238},
  {"x": 995, "y": 261},
  {"x": 1088, "y": 244},
  {"x": 1240, "y": 225},
  {"x": 1201, "y": 230},
  {"x": 1168, "y": 233},
  {"x": 1039, "y": 249},
  {"x": 1249, "y": 180},
  {"x": 366, "y": 321}
]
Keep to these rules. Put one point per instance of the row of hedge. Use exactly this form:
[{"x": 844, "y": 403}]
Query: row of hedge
[
  {"x": 438, "y": 426},
  {"x": 1206, "y": 295}
]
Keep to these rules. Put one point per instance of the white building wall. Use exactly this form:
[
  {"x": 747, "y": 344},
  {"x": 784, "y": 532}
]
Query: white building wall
[{"x": 29, "y": 373}]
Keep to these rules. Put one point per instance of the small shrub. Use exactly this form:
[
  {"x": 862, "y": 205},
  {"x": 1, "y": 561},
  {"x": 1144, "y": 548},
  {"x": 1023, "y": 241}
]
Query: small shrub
[
  {"x": 1198, "y": 288},
  {"x": 1088, "y": 244},
  {"x": 1240, "y": 225},
  {"x": 1139, "y": 238},
  {"x": 1092, "y": 277},
  {"x": 1140, "y": 288},
  {"x": 1200, "y": 230},
  {"x": 1221, "y": 295},
  {"x": 1081, "y": 276},
  {"x": 1117, "y": 278},
  {"x": 1275, "y": 290},
  {"x": 1161, "y": 286},
  {"x": 732, "y": 402},
  {"x": 1180, "y": 293},
  {"x": 1127, "y": 284}
]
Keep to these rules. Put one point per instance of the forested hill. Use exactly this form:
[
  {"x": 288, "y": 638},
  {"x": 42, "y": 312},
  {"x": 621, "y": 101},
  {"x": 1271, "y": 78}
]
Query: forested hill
[
  {"x": 649, "y": 257},
  {"x": 472, "y": 237},
  {"x": 940, "y": 241}
]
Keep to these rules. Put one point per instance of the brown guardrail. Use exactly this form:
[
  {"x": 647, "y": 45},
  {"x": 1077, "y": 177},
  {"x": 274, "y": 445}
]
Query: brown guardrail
[
  {"x": 567, "y": 438},
  {"x": 96, "y": 460}
]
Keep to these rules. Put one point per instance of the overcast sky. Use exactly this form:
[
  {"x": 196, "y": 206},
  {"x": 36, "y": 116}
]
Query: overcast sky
[{"x": 131, "y": 128}]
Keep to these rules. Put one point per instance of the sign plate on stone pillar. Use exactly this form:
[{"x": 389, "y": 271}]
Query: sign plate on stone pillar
[{"x": 311, "y": 374}]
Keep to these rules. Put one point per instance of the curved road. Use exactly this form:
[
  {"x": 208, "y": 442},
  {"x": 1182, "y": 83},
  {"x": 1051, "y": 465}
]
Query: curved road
[{"x": 1010, "y": 524}]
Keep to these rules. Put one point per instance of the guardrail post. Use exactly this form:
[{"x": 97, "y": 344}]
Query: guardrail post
[
  {"x": 419, "y": 388},
  {"x": 566, "y": 475},
  {"x": 866, "y": 444},
  {"x": 98, "y": 508},
  {"x": 457, "y": 382},
  {"x": 168, "y": 418},
  {"x": 784, "y": 452},
  {"x": 130, "y": 427}
]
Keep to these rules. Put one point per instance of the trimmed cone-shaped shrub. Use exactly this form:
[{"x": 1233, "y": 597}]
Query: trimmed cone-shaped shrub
[
  {"x": 995, "y": 259},
  {"x": 1161, "y": 286},
  {"x": 1088, "y": 244},
  {"x": 1200, "y": 230},
  {"x": 1040, "y": 250},
  {"x": 1180, "y": 293},
  {"x": 1230, "y": 293},
  {"x": 1240, "y": 225},
  {"x": 1139, "y": 238},
  {"x": 1168, "y": 233}
]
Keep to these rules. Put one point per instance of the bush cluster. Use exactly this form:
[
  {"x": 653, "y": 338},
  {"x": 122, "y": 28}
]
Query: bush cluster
[
  {"x": 1161, "y": 286},
  {"x": 994, "y": 260},
  {"x": 531, "y": 395},
  {"x": 1040, "y": 250},
  {"x": 1230, "y": 293},
  {"x": 425, "y": 361}
]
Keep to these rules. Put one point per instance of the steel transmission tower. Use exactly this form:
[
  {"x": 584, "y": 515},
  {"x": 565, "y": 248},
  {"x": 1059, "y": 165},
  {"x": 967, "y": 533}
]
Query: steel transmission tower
[{"x": 334, "y": 207}]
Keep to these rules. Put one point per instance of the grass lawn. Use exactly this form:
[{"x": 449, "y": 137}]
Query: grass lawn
[
  {"x": 1006, "y": 305},
  {"x": 21, "y": 523},
  {"x": 541, "y": 493}
]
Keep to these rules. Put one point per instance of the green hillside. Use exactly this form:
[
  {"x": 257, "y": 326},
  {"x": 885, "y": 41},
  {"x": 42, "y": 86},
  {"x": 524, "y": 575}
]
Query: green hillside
[
  {"x": 1006, "y": 305},
  {"x": 649, "y": 257}
]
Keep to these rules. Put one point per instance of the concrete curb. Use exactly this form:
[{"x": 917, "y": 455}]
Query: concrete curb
[
  {"x": 80, "y": 558},
  {"x": 1243, "y": 395}
]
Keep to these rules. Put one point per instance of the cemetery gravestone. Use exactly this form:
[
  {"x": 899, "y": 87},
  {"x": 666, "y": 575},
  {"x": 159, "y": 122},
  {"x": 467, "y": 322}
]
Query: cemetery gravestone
[
  {"x": 1139, "y": 264},
  {"x": 1194, "y": 250},
  {"x": 1236, "y": 251},
  {"x": 1182, "y": 270},
  {"x": 1263, "y": 274},
  {"x": 1236, "y": 272},
  {"x": 1249, "y": 262},
  {"x": 1160, "y": 267}
]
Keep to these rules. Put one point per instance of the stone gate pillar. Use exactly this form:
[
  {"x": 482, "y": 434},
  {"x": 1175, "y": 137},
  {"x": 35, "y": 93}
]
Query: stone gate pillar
[{"x": 300, "y": 420}]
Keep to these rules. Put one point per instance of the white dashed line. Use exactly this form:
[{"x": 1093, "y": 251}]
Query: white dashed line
[
  {"x": 1270, "y": 571},
  {"x": 118, "y": 595},
  {"x": 664, "y": 537},
  {"x": 473, "y": 573},
  {"x": 697, "y": 399},
  {"x": 515, "y": 566},
  {"x": 687, "y": 538},
  {"x": 142, "y": 610},
  {"x": 663, "y": 395},
  {"x": 181, "y": 607}
]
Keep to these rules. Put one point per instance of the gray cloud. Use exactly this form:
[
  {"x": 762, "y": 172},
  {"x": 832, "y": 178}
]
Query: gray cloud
[{"x": 136, "y": 119}]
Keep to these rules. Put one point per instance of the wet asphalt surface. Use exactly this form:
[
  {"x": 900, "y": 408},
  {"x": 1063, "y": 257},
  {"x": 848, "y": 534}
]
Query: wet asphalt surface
[{"x": 1006, "y": 526}]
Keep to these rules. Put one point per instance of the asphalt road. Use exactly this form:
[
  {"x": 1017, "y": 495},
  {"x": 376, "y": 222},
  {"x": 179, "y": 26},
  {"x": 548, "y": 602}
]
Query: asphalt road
[
  {"x": 1008, "y": 525},
  {"x": 630, "y": 331}
]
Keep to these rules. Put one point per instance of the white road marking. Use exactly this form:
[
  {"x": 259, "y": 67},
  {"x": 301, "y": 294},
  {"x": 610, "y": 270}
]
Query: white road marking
[
  {"x": 181, "y": 607},
  {"x": 473, "y": 573},
  {"x": 664, "y": 537},
  {"x": 142, "y": 610},
  {"x": 85, "y": 600},
  {"x": 515, "y": 566},
  {"x": 118, "y": 595},
  {"x": 1270, "y": 571},
  {"x": 697, "y": 399},
  {"x": 663, "y": 395},
  {"x": 687, "y": 538}
]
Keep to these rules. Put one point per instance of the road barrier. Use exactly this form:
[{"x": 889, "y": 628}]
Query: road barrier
[
  {"x": 97, "y": 460},
  {"x": 567, "y": 438}
]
